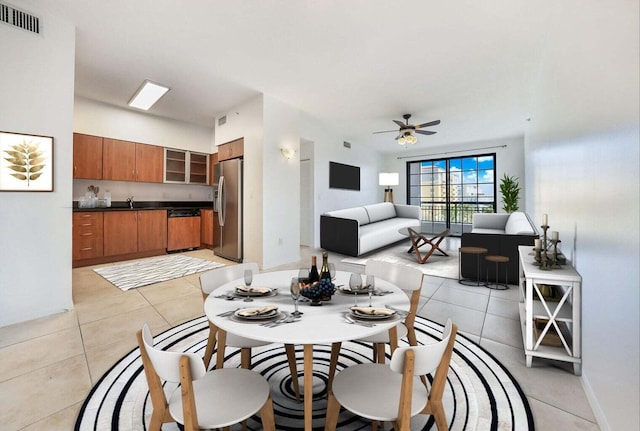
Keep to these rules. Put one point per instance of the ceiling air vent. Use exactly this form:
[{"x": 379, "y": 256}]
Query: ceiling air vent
[
  {"x": 18, "y": 18},
  {"x": 222, "y": 120},
  {"x": 346, "y": 144}
]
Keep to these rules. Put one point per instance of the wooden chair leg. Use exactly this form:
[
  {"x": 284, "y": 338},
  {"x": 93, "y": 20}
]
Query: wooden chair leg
[
  {"x": 293, "y": 368},
  {"x": 437, "y": 411},
  {"x": 267, "y": 416},
  {"x": 333, "y": 411},
  {"x": 333, "y": 363},
  {"x": 211, "y": 345},
  {"x": 222, "y": 342},
  {"x": 380, "y": 347},
  {"x": 245, "y": 358}
]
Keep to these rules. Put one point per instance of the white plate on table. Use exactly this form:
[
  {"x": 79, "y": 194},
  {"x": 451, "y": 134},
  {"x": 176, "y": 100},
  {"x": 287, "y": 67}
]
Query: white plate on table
[
  {"x": 388, "y": 314},
  {"x": 347, "y": 291},
  {"x": 244, "y": 315},
  {"x": 258, "y": 292}
]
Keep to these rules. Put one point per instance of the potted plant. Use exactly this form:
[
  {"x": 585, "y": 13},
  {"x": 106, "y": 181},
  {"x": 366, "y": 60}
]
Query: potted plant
[{"x": 510, "y": 190}]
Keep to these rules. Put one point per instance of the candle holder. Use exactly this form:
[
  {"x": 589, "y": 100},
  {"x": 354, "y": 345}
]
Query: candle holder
[
  {"x": 544, "y": 261},
  {"x": 555, "y": 263},
  {"x": 538, "y": 257}
]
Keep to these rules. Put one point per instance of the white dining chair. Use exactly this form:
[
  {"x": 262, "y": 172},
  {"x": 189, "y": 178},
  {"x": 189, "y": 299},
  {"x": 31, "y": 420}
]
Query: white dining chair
[
  {"x": 211, "y": 280},
  {"x": 205, "y": 399},
  {"x": 395, "y": 392},
  {"x": 410, "y": 281}
]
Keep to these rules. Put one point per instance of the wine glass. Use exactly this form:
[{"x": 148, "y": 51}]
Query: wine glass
[
  {"x": 355, "y": 284},
  {"x": 371, "y": 285},
  {"x": 303, "y": 277},
  {"x": 248, "y": 278},
  {"x": 295, "y": 294},
  {"x": 332, "y": 271}
]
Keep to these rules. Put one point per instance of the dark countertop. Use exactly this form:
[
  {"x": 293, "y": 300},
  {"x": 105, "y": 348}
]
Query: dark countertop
[{"x": 148, "y": 205}]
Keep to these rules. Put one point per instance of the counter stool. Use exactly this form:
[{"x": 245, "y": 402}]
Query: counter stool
[
  {"x": 498, "y": 260},
  {"x": 470, "y": 250}
]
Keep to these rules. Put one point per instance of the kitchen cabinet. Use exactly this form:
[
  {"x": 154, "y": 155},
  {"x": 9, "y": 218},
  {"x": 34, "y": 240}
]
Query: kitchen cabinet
[
  {"x": 207, "y": 238},
  {"x": 120, "y": 232},
  {"x": 175, "y": 166},
  {"x": 149, "y": 163},
  {"x": 152, "y": 230},
  {"x": 550, "y": 311},
  {"x": 87, "y": 235},
  {"x": 198, "y": 164},
  {"x": 109, "y": 236},
  {"x": 185, "y": 233},
  {"x": 213, "y": 169},
  {"x": 130, "y": 161},
  {"x": 127, "y": 232},
  {"x": 87, "y": 156},
  {"x": 119, "y": 160},
  {"x": 231, "y": 150},
  {"x": 185, "y": 167}
]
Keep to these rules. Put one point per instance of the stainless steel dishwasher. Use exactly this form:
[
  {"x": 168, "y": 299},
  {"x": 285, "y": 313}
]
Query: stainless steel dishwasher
[{"x": 183, "y": 229}]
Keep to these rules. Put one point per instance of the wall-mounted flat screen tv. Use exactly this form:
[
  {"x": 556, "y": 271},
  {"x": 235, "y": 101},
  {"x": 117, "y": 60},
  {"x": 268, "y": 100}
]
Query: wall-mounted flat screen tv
[{"x": 344, "y": 176}]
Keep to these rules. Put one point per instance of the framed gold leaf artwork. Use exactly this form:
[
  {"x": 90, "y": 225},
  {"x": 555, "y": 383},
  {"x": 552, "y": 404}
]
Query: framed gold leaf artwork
[{"x": 26, "y": 163}]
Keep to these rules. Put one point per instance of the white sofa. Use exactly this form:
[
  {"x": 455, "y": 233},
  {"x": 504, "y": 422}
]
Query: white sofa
[
  {"x": 359, "y": 230},
  {"x": 516, "y": 223}
]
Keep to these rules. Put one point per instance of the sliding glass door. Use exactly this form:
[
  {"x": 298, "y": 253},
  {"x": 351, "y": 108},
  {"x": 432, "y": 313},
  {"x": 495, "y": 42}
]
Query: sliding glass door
[{"x": 450, "y": 190}]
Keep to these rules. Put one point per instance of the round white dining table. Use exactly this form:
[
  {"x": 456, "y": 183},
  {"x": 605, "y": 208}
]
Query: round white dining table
[{"x": 324, "y": 324}]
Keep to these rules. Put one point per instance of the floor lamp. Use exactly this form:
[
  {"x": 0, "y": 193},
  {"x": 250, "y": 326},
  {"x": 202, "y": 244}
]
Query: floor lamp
[{"x": 388, "y": 179}]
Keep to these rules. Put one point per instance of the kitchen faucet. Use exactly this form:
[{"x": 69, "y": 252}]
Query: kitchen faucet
[{"x": 130, "y": 200}]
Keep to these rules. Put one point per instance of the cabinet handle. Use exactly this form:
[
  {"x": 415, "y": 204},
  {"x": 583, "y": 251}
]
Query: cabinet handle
[
  {"x": 86, "y": 224},
  {"x": 86, "y": 249},
  {"x": 86, "y": 215},
  {"x": 86, "y": 234}
]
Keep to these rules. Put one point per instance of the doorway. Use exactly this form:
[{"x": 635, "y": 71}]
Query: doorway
[{"x": 306, "y": 193}]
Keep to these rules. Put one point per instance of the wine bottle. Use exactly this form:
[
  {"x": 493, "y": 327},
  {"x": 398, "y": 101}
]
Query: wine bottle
[
  {"x": 324, "y": 269},
  {"x": 313, "y": 272}
]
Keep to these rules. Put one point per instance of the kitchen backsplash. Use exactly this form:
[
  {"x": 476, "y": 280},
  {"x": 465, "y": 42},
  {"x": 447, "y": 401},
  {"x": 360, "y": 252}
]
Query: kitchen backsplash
[{"x": 121, "y": 190}]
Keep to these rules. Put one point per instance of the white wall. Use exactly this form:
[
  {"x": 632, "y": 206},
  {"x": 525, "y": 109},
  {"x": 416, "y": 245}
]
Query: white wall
[
  {"x": 95, "y": 118},
  {"x": 280, "y": 184},
  {"x": 35, "y": 228},
  {"x": 509, "y": 160},
  {"x": 328, "y": 146},
  {"x": 582, "y": 165}
]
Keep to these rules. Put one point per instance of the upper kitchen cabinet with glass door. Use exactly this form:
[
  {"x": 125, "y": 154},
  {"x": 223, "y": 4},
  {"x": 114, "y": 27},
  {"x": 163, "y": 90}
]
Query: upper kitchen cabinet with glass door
[
  {"x": 198, "y": 168},
  {"x": 185, "y": 167}
]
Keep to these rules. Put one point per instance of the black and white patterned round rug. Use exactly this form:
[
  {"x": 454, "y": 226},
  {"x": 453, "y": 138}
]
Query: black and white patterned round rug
[{"x": 480, "y": 395}]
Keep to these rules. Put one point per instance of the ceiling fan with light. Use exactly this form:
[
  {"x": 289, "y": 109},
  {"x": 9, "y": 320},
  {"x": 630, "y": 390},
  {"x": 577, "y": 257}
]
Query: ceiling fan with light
[{"x": 407, "y": 131}]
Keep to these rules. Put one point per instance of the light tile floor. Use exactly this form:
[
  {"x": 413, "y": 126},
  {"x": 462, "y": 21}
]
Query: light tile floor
[{"x": 49, "y": 365}]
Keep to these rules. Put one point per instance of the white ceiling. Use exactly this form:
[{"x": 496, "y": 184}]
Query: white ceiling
[{"x": 355, "y": 64}]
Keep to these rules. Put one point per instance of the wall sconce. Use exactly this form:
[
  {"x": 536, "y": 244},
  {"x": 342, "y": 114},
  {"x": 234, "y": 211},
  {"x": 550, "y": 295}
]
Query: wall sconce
[
  {"x": 287, "y": 153},
  {"x": 388, "y": 179}
]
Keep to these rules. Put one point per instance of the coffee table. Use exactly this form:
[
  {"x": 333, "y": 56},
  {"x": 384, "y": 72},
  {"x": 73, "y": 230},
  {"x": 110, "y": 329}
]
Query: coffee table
[{"x": 419, "y": 239}]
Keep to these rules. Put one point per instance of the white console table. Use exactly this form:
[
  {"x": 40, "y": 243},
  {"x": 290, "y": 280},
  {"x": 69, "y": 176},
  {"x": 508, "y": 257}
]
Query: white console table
[{"x": 543, "y": 318}]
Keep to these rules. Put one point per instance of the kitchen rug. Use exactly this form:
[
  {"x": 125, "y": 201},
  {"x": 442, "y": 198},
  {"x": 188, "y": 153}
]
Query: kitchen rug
[
  {"x": 480, "y": 394},
  {"x": 149, "y": 271}
]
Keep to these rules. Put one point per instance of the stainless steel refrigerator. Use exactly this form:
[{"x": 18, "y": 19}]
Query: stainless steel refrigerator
[{"x": 229, "y": 206}]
